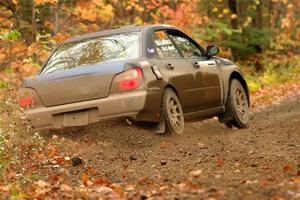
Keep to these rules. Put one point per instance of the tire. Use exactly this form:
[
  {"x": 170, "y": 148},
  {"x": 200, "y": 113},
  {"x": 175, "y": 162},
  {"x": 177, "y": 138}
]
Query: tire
[
  {"x": 172, "y": 112},
  {"x": 237, "y": 106}
]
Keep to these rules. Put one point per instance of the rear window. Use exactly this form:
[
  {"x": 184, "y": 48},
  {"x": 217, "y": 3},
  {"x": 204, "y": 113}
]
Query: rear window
[{"x": 92, "y": 51}]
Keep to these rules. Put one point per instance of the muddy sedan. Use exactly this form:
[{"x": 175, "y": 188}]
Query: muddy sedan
[{"x": 151, "y": 73}]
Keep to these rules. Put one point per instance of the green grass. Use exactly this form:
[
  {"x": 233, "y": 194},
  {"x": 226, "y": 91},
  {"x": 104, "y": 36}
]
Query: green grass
[{"x": 4, "y": 85}]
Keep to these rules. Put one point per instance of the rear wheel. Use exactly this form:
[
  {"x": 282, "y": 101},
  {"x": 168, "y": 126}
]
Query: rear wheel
[
  {"x": 172, "y": 114},
  {"x": 237, "y": 106}
]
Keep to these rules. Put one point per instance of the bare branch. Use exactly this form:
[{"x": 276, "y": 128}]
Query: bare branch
[{"x": 9, "y": 4}]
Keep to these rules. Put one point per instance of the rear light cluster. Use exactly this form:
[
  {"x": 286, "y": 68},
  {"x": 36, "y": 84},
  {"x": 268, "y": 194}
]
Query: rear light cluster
[
  {"x": 128, "y": 80},
  {"x": 25, "y": 101},
  {"x": 28, "y": 98}
]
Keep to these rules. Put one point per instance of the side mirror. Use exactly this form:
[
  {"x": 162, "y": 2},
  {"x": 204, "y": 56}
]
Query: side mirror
[{"x": 212, "y": 50}]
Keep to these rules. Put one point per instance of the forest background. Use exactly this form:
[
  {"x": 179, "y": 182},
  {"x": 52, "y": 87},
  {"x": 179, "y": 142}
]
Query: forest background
[{"x": 261, "y": 36}]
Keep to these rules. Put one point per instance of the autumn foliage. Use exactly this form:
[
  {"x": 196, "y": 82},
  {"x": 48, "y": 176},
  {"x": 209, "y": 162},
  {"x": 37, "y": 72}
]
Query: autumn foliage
[{"x": 262, "y": 36}]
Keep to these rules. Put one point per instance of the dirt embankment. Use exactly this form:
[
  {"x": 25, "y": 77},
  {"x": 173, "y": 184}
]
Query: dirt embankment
[{"x": 207, "y": 161}]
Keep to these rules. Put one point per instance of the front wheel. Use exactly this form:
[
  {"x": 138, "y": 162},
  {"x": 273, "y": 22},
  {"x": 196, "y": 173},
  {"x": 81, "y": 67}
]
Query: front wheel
[
  {"x": 172, "y": 114},
  {"x": 237, "y": 106}
]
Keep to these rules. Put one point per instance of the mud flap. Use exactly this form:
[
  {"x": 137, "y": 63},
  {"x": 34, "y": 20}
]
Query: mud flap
[
  {"x": 226, "y": 116},
  {"x": 161, "y": 127}
]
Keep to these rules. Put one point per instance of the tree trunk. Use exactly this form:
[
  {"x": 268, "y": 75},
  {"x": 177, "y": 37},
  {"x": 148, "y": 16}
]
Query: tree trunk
[
  {"x": 57, "y": 18},
  {"x": 270, "y": 14},
  {"x": 233, "y": 6},
  {"x": 9, "y": 4},
  {"x": 208, "y": 8},
  {"x": 259, "y": 16},
  {"x": 33, "y": 23}
]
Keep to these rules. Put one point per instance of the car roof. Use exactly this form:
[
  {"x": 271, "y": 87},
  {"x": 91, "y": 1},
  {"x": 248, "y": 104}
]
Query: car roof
[{"x": 123, "y": 29}]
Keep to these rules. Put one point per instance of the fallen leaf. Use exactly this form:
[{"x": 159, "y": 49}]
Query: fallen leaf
[
  {"x": 65, "y": 188},
  {"x": 4, "y": 189},
  {"x": 276, "y": 198},
  {"x": 52, "y": 153},
  {"x": 216, "y": 194},
  {"x": 60, "y": 160},
  {"x": 163, "y": 188},
  {"x": 196, "y": 173},
  {"x": 200, "y": 145},
  {"x": 130, "y": 187},
  {"x": 67, "y": 158},
  {"x": 192, "y": 185},
  {"x": 163, "y": 145},
  {"x": 54, "y": 137},
  {"x": 103, "y": 190},
  {"x": 101, "y": 181},
  {"x": 91, "y": 171},
  {"x": 42, "y": 184},
  {"x": 2, "y": 56},
  {"x": 287, "y": 169},
  {"x": 85, "y": 179},
  {"x": 296, "y": 180},
  {"x": 264, "y": 183},
  {"x": 219, "y": 162}
]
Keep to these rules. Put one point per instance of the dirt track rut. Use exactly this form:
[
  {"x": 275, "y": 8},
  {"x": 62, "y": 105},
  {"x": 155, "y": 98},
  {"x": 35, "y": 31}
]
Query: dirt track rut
[{"x": 207, "y": 161}]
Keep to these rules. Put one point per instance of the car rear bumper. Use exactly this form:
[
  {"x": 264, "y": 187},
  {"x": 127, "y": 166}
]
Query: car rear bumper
[{"x": 87, "y": 112}]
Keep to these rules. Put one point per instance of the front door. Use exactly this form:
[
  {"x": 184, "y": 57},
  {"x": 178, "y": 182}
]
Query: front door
[
  {"x": 207, "y": 74},
  {"x": 177, "y": 70}
]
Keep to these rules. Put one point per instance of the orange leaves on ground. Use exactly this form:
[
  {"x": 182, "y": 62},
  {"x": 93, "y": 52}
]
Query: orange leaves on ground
[
  {"x": 92, "y": 171},
  {"x": 53, "y": 152},
  {"x": 101, "y": 181},
  {"x": 65, "y": 188},
  {"x": 2, "y": 56},
  {"x": 271, "y": 94},
  {"x": 264, "y": 183},
  {"x": 296, "y": 180},
  {"x": 85, "y": 179},
  {"x": 163, "y": 145},
  {"x": 219, "y": 162},
  {"x": 288, "y": 169},
  {"x": 192, "y": 185},
  {"x": 4, "y": 189}
]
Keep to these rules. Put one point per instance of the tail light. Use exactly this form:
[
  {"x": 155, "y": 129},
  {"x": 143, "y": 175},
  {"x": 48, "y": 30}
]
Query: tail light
[
  {"x": 28, "y": 98},
  {"x": 128, "y": 80},
  {"x": 25, "y": 101}
]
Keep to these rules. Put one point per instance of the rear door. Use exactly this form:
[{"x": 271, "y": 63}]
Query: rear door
[
  {"x": 208, "y": 76},
  {"x": 177, "y": 70}
]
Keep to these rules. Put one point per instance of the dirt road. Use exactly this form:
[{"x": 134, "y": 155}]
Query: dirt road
[{"x": 208, "y": 161}]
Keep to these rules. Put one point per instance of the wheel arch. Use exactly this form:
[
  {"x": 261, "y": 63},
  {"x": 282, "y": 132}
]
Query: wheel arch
[
  {"x": 173, "y": 88},
  {"x": 237, "y": 75}
]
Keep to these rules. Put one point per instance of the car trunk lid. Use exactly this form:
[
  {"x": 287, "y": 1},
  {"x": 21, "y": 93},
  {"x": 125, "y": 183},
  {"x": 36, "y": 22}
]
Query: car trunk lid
[{"x": 75, "y": 85}]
